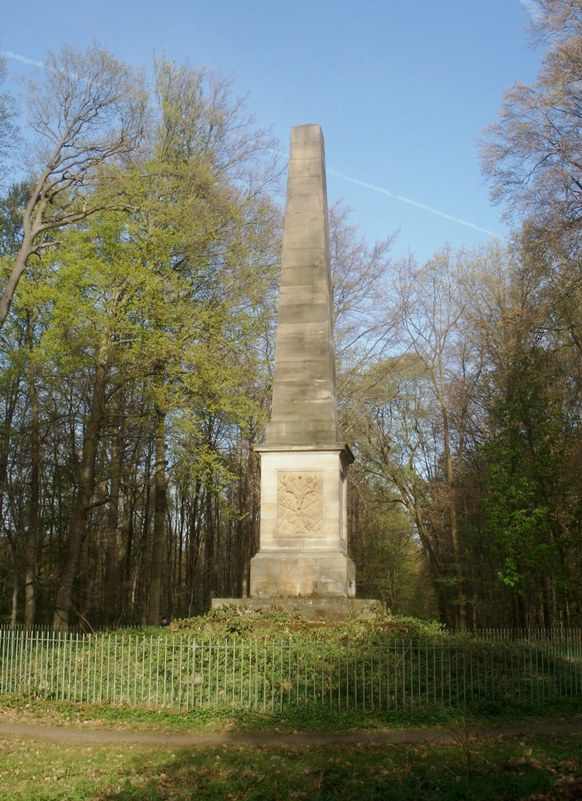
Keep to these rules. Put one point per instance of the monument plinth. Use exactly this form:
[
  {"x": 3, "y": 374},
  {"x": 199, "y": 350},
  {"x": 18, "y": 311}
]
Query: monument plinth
[{"x": 303, "y": 526}]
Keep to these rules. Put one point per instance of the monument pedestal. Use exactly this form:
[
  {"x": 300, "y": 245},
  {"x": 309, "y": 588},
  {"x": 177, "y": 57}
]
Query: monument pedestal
[
  {"x": 303, "y": 534},
  {"x": 309, "y": 574}
]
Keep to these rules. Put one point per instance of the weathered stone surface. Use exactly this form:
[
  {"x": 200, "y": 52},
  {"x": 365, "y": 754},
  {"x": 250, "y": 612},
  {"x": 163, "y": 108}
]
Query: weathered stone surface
[
  {"x": 303, "y": 526},
  {"x": 277, "y": 529},
  {"x": 304, "y": 410},
  {"x": 307, "y": 573}
]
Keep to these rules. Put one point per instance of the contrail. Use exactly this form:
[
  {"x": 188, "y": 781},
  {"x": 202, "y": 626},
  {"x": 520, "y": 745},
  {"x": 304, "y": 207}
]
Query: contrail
[
  {"x": 417, "y": 204},
  {"x": 22, "y": 59}
]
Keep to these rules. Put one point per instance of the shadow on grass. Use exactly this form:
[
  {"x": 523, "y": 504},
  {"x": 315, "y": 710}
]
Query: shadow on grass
[{"x": 481, "y": 771}]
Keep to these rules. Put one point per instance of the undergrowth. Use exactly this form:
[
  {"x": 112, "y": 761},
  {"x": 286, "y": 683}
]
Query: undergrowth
[{"x": 233, "y": 621}]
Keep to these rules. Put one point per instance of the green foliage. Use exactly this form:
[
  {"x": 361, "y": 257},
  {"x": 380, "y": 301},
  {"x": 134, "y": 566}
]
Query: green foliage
[
  {"x": 11, "y": 209},
  {"x": 523, "y": 479},
  {"x": 383, "y": 545},
  {"x": 160, "y": 291},
  {"x": 275, "y": 623}
]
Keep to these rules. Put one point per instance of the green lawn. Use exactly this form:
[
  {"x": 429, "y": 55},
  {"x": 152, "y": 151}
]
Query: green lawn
[
  {"x": 504, "y": 768},
  {"x": 465, "y": 769}
]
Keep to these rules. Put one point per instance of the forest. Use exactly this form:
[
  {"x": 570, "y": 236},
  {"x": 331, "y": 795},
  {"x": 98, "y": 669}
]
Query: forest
[{"x": 140, "y": 226}]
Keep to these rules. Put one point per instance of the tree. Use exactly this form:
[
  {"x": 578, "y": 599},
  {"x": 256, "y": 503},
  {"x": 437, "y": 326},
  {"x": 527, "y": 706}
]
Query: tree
[
  {"x": 522, "y": 458},
  {"x": 12, "y": 205},
  {"x": 433, "y": 301},
  {"x": 7, "y": 129},
  {"x": 533, "y": 155},
  {"x": 172, "y": 293},
  {"x": 391, "y": 421},
  {"x": 360, "y": 279},
  {"x": 86, "y": 116},
  {"x": 202, "y": 216},
  {"x": 20, "y": 363},
  {"x": 135, "y": 368},
  {"x": 383, "y": 543}
]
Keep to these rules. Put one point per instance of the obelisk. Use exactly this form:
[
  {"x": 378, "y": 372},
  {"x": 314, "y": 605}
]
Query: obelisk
[{"x": 303, "y": 538}]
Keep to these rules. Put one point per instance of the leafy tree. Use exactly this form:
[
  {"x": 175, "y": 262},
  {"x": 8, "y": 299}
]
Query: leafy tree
[
  {"x": 21, "y": 368},
  {"x": 171, "y": 296},
  {"x": 86, "y": 116},
  {"x": 200, "y": 239},
  {"x": 12, "y": 206},
  {"x": 390, "y": 421},
  {"x": 519, "y": 494},
  {"x": 433, "y": 302},
  {"x": 383, "y": 544},
  {"x": 142, "y": 344},
  {"x": 530, "y": 429}
]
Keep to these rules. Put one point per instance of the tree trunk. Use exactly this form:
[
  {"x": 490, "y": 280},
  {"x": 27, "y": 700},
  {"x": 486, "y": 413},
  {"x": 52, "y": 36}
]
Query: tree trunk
[
  {"x": 15, "y": 588},
  {"x": 112, "y": 567},
  {"x": 209, "y": 543},
  {"x": 160, "y": 507},
  {"x": 461, "y": 611},
  {"x": 18, "y": 269},
  {"x": 195, "y": 604},
  {"x": 80, "y": 513},
  {"x": 5, "y": 445},
  {"x": 32, "y": 541}
]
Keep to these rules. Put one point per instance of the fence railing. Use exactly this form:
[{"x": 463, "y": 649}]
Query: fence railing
[
  {"x": 272, "y": 675},
  {"x": 553, "y": 634}
]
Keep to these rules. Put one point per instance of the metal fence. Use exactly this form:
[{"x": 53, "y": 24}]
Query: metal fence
[
  {"x": 553, "y": 634},
  {"x": 179, "y": 672}
]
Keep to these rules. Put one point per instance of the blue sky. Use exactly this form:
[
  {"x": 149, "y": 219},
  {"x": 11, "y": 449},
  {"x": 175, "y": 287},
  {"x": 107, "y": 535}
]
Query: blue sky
[{"x": 402, "y": 90}]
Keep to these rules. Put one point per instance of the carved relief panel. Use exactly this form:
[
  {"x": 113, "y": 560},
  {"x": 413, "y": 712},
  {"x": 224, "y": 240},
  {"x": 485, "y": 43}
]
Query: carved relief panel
[{"x": 299, "y": 503}]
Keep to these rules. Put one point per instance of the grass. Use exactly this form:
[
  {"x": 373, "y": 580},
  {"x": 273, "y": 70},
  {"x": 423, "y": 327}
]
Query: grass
[
  {"x": 62, "y": 713},
  {"x": 544, "y": 768},
  {"x": 547, "y": 768},
  {"x": 467, "y": 770}
]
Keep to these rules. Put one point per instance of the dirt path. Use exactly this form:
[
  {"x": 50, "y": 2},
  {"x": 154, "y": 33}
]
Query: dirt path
[{"x": 10, "y": 729}]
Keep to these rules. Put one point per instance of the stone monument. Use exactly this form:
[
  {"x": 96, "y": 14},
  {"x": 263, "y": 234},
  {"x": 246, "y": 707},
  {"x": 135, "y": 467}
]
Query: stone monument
[
  {"x": 303, "y": 541},
  {"x": 302, "y": 562}
]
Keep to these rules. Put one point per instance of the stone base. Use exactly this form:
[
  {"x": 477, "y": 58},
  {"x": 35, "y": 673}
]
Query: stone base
[
  {"x": 305, "y": 574},
  {"x": 324, "y": 609}
]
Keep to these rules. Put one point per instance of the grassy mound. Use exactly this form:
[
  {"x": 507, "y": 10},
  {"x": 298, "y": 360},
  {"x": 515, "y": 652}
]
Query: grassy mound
[{"x": 236, "y": 622}]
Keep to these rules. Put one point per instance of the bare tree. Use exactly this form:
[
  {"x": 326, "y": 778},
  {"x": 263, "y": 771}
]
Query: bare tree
[
  {"x": 7, "y": 130},
  {"x": 533, "y": 155},
  {"x": 87, "y": 114},
  {"x": 433, "y": 302},
  {"x": 360, "y": 279}
]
